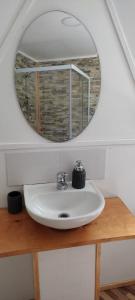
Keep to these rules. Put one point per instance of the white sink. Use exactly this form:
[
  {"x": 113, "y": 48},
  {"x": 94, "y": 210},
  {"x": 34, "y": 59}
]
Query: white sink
[{"x": 66, "y": 209}]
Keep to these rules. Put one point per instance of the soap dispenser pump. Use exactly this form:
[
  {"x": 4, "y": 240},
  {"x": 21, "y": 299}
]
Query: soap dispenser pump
[{"x": 78, "y": 175}]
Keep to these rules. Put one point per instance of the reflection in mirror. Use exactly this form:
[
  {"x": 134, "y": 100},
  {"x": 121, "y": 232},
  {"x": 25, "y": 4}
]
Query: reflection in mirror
[{"x": 57, "y": 76}]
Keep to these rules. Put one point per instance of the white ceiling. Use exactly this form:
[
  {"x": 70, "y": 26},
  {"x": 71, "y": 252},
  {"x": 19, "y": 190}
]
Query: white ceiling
[{"x": 47, "y": 39}]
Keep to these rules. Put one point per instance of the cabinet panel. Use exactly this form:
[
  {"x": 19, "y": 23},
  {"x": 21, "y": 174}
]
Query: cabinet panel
[
  {"x": 16, "y": 278},
  {"x": 67, "y": 274},
  {"x": 117, "y": 261}
]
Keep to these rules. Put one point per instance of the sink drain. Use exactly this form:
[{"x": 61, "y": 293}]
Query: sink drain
[{"x": 63, "y": 215}]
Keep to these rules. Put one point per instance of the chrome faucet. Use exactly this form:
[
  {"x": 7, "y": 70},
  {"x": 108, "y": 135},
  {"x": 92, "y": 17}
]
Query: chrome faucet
[{"x": 61, "y": 181}]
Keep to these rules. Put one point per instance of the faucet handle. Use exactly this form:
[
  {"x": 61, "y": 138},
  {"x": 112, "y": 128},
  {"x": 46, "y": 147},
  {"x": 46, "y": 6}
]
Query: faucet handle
[
  {"x": 61, "y": 181},
  {"x": 61, "y": 177}
]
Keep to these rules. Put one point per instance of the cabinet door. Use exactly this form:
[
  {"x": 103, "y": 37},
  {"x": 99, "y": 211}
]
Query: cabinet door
[
  {"x": 16, "y": 278},
  {"x": 117, "y": 262},
  {"x": 67, "y": 274}
]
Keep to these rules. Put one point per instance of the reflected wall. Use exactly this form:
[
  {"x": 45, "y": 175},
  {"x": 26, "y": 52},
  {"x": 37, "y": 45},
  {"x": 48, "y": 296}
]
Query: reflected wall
[{"x": 44, "y": 96}]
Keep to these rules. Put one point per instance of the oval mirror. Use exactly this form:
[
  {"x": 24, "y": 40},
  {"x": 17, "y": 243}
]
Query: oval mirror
[{"x": 57, "y": 76}]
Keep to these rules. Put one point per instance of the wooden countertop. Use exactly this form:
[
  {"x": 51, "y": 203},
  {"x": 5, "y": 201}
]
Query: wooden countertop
[{"x": 19, "y": 234}]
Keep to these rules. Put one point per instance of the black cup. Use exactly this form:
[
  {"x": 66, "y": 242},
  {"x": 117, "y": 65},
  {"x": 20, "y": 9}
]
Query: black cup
[{"x": 14, "y": 200}]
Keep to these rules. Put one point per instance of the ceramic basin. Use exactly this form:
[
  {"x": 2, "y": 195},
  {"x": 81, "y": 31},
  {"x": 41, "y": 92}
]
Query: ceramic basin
[{"x": 66, "y": 209}]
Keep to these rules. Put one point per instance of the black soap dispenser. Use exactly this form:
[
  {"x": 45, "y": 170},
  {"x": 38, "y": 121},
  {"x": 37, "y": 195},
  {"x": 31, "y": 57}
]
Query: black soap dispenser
[{"x": 78, "y": 175}]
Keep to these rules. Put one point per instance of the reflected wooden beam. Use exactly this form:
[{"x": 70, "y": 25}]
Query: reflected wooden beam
[{"x": 37, "y": 102}]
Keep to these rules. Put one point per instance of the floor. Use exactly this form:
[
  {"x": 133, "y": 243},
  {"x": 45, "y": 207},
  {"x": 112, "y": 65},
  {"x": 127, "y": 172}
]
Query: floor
[{"x": 123, "y": 293}]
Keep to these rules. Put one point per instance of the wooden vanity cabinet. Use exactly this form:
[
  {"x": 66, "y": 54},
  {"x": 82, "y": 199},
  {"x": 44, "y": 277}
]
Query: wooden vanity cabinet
[{"x": 77, "y": 250}]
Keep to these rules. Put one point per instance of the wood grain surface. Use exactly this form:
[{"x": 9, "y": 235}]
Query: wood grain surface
[
  {"x": 36, "y": 276},
  {"x": 123, "y": 293},
  {"x": 20, "y": 234},
  {"x": 97, "y": 271},
  {"x": 117, "y": 284}
]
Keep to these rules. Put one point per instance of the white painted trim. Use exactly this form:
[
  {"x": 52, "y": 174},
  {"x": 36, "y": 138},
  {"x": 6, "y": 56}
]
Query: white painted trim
[
  {"x": 56, "y": 59},
  {"x": 52, "y": 68},
  {"x": 27, "y": 56},
  {"x": 68, "y": 58},
  {"x": 43, "y": 69},
  {"x": 73, "y": 67},
  {"x": 89, "y": 98},
  {"x": 121, "y": 34},
  {"x": 70, "y": 104},
  {"x": 66, "y": 145}
]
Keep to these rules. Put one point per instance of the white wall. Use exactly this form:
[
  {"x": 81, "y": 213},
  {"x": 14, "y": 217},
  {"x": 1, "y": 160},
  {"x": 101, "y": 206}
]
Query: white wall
[
  {"x": 127, "y": 20},
  {"x": 117, "y": 84},
  {"x": 114, "y": 121}
]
